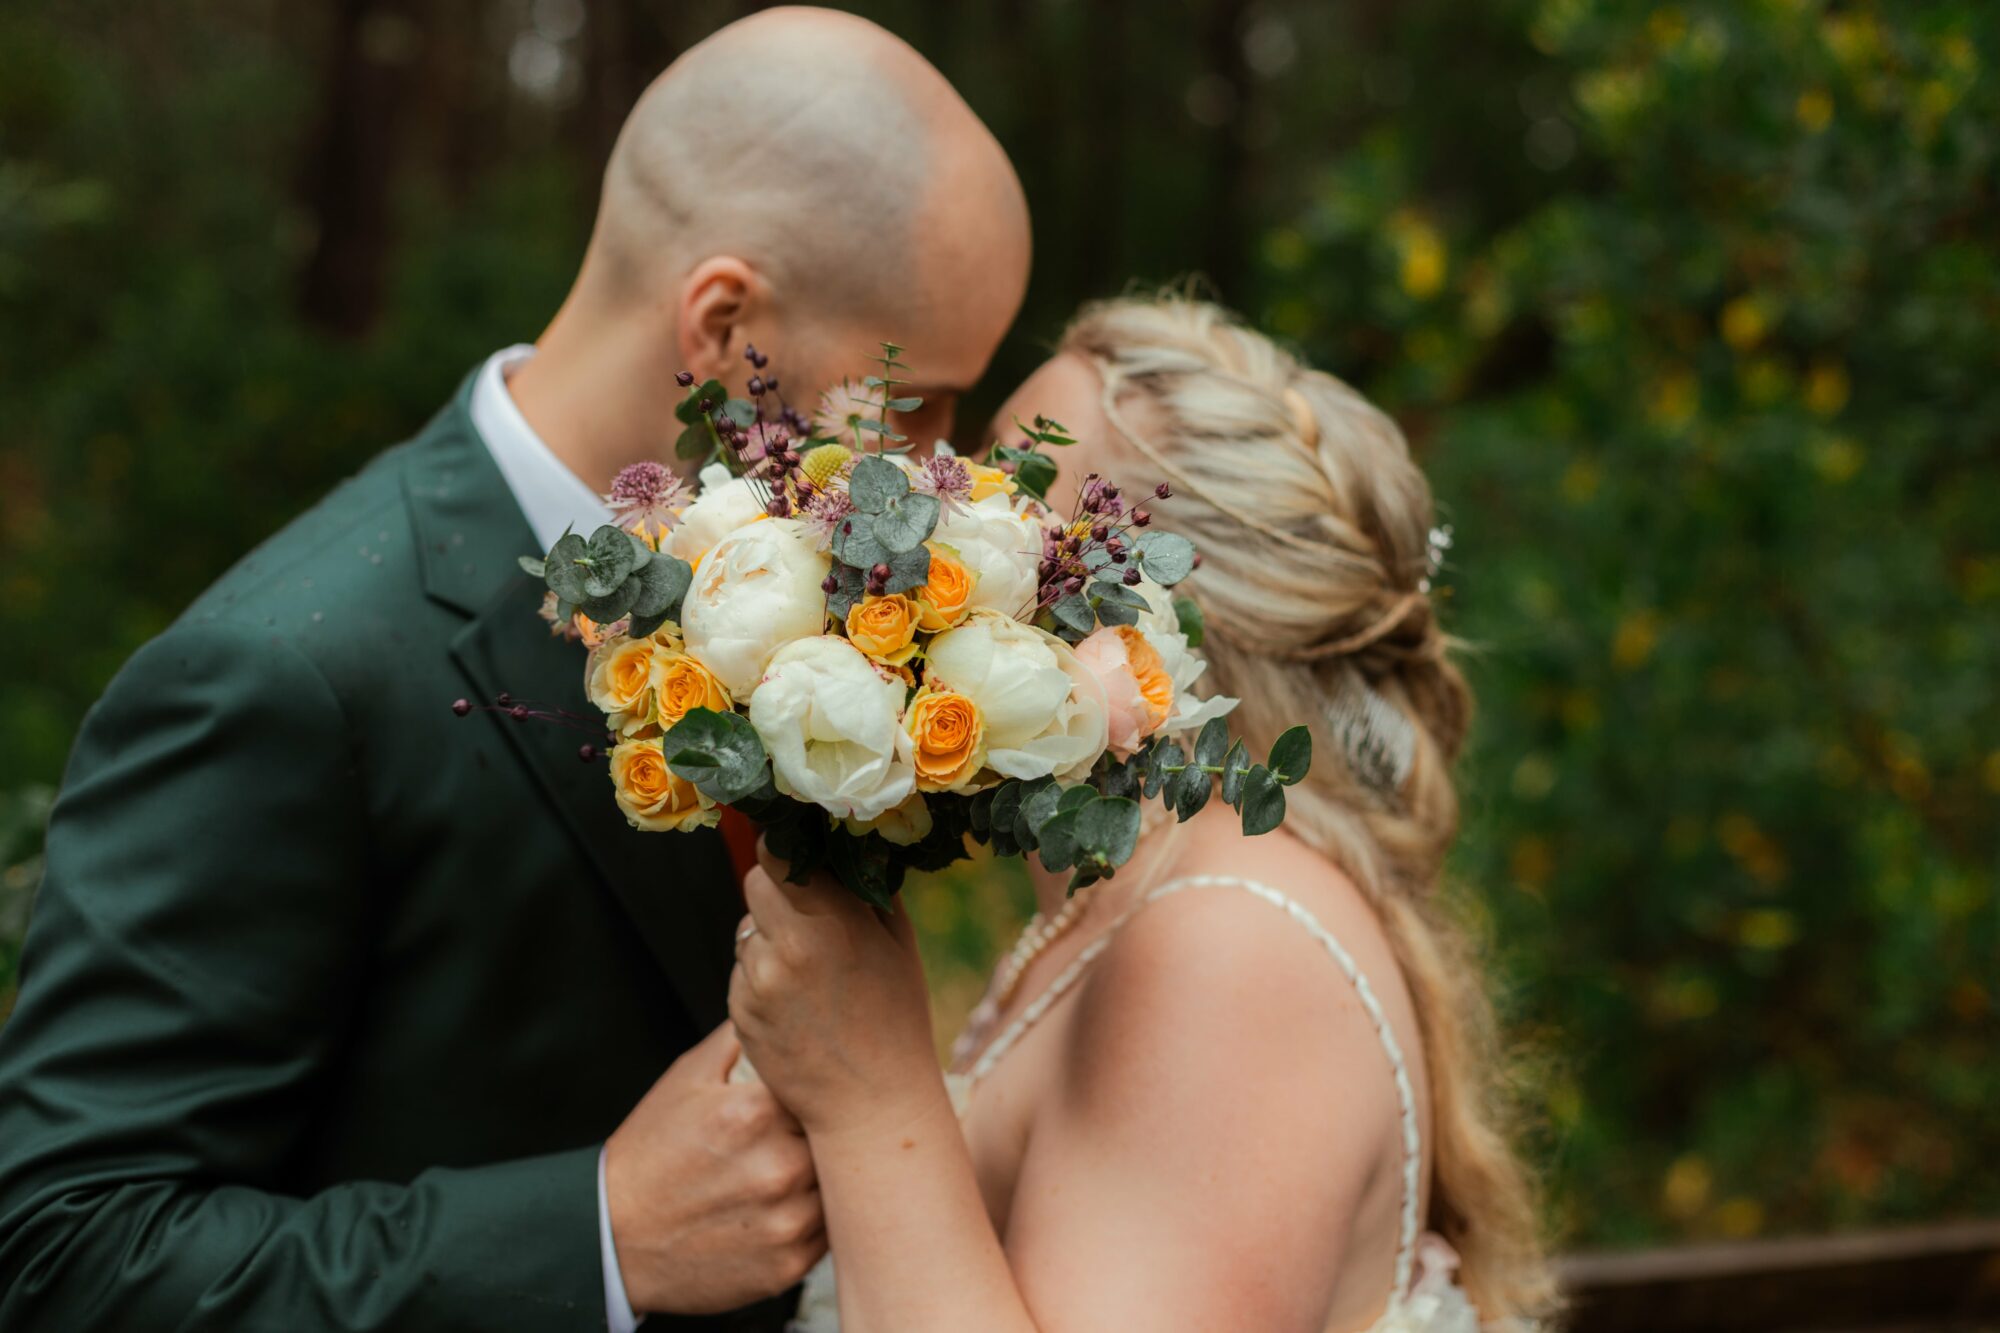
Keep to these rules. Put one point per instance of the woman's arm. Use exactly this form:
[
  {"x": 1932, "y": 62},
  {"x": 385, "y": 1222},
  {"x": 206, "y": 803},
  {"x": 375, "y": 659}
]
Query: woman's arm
[{"x": 1217, "y": 1125}]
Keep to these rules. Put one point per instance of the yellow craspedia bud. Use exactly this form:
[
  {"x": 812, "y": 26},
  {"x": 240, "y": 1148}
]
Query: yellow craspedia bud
[{"x": 823, "y": 464}]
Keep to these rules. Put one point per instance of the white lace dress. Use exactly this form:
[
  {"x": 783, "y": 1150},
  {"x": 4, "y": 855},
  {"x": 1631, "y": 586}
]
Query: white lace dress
[{"x": 1425, "y": 1297}]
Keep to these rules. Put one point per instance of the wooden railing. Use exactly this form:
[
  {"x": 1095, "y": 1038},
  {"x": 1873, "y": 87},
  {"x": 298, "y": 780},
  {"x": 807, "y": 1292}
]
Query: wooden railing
[{"x": 1925, "y": 1278}]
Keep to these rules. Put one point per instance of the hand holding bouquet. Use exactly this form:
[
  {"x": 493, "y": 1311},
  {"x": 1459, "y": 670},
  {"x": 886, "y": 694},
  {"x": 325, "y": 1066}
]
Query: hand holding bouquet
[{"x": 876, "y": 657}]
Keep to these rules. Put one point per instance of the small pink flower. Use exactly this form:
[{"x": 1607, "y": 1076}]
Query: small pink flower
[{"x": 646, "y": 500}]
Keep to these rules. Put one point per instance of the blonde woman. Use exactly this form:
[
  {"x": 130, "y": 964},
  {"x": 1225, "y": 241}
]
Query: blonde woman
[{"x": 1245, "y": 1084}]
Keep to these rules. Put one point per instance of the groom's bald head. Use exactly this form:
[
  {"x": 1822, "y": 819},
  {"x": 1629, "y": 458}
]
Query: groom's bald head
[{"x": 809, "y": 175}]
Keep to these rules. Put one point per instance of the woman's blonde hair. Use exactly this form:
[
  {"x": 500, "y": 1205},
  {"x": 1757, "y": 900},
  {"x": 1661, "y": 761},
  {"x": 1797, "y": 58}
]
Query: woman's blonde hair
[{"x": 1315, "y": 527}]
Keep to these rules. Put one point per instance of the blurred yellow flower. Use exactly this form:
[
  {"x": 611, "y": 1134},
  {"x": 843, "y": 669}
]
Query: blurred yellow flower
[
  {"x": 1744, "y": 323},
  {"x": 1827, "y": 388},
  {"x": 1766, "y": 928},
  {"x": 1676, "y": 395},
  {"x": 1580, "y": 479},
  {"x": 1814, "y": 110},
  {"x": 1531, "y": 862},
  {"x": 1739, "y": 1217},
  {"x": 1685, "y": 1190},
  {"x": 1285, "y": 249},
  {"x": 1635, "y": 638},
  {"x": 1991, "y": 770},
  {"x": 1420, "y": 255},
  {"x": 1752, "y": 848},
  {"x": 1838, "y": 459},
  {"x": 1667, "y": 26}
]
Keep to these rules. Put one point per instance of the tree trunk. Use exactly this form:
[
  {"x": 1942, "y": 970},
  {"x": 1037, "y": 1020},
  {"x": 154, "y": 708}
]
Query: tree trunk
[{"x": 350, "y": 177}]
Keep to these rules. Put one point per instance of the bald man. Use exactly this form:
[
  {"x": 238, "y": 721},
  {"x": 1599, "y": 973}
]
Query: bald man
[{"x": 339, "y": 1012}]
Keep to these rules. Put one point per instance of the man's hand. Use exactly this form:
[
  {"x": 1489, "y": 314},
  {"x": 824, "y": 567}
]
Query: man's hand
[{"x": 711, "y": 1190}]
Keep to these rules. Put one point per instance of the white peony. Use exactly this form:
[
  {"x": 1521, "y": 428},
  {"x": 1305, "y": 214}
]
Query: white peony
[
  {"x": 1044, "y": 712},
  {"x": 1161, "y": 625},
  {"x": 758, "y": 590},
  {"x": 725, "y": 504},
  {"x": 999, "y": 540},
  {"x": 832, "y": 722}
]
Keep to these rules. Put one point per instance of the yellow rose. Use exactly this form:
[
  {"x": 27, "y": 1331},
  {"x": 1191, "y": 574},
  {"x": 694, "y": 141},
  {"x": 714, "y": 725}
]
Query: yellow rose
[
  {"x": 947, "y": 736},
  {"x": 947, "y": 595},
  {"x": 620, "y": 680},
  {"x": 684, "y": 685},
  {"x": 988, "y": 480},
  {"x": 904, "y": 826},
  {"x": 654, "y": 798},
  {"x": 885, "y": 628}
]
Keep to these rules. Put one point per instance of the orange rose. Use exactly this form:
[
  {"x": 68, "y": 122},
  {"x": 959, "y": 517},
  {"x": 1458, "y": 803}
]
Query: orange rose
[
  {"x": 947, "y": 595},
  {"x": 655, "y": 798},
  {"x": 684, "y": 685},
  {"x": 885, "y": 628},
  {"x": 1151, "y": 673},
  {"x": 948, "y": 737}
]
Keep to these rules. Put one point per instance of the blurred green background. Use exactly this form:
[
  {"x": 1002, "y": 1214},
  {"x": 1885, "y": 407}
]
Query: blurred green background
[{"x": 1692, "y": 311}]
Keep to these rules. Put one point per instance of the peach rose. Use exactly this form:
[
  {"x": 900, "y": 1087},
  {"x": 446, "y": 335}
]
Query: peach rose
[
  {"x": 885, "y": 628},
  {"x": 947, "y": 595},
  {"x": 620, "y": 679},
  {"x": 947, "y": 736},
  {"x": 1137, "y": 686},
  {"x": 655, "y": 798},
  {"x": 684, "y": 685}
]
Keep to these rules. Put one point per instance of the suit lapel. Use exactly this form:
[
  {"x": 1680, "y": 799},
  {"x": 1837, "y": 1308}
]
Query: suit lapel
[{"x": 677, "y": 888}]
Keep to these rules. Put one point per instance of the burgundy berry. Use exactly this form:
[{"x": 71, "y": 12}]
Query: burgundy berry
[
  {"x": 684, "y": 379},
  {"x": 461, "y": 706}
]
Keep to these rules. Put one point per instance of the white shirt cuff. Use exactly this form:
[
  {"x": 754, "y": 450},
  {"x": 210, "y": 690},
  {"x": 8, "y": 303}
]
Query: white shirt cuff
[{"x": 618, "y": 1314}]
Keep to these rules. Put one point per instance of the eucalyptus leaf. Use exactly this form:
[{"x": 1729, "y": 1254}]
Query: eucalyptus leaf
[
  {"x": 536, "y": 568},
  {"x": 911, "y": 569},
  {"x": 866, "y": 865},
  {"x": 643, "y": 626},
  {"x": 614, "y": 604},
  {"x": 903, "y": 404},
  {"x": 875, "y": 484},
  {"x": 1291, "y": 755},
  {"x": 1189, "y": 792},
  {"x": 741, "y": 411},
  {"x": 1164, "y": 756},
  {"x": 1113, "y": 590},
  {"x": 1037, "y": 805},
  {"x": 1234, "y": 766},
  {"x": 612, "y": 561},
  {"x": 719, "y": 752},
  {"x": 905, "y": 523},
  {"x": 1263, "y": 802},
  {"x": 854, "y": 543},
  {"x": 688, "y": 410},
  {"x": 1166, "y": 557},
  {"x": 1116, "y": 613},
  {"x": 851, "y": 585},
  {"x": 1212, "y": 744},
  {"x": 663, "y": 581},
  {"x": 565, "y": 576},
  {"x": 1074, "y": 797},
  {"x": 1107, "y": 830},
  {"x": 1074, "y": 612},
  {"x": 1057, "y": 841},
  {"x": 697, "y": 441}
]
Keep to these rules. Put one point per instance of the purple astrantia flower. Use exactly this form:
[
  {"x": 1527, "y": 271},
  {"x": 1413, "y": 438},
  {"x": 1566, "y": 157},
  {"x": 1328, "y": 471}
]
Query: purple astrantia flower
[
  {"x": 948, "y": 478},
  {"x": 821, "y": 509},
  {"x": 646, "y": 500}
]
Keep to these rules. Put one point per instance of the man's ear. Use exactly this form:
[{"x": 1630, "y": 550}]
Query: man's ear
[{"x": 718, "y": 298}]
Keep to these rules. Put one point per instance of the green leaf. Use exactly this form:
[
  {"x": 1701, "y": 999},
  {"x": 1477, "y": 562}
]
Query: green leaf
[
  {"x": 1006, "y": 804},
  {"x": 740, "y": 410},
  {"x": 867, "y": 866},
  {"x": 1163, "y": 756},
  {"x": 1057, "y": 841},
  {"x": 903, "y": 404},
  {"x": 1076, "y": 797},
  {"x": 1189, "y": 791},
  {"x": 911, "y": 569},
  {"x": 688, "y": 411},
  {"x": 1107, "y": 829},
  {"x": 1074, "y": 613},
  {"x": 1115, "y": 613},
  {"x": 1038, "y": 802},
  {"x": 1111, "y": 588},
  {"x": 875, "y": 484},
  {"x": 1166, "y": 557},
  {"x": 1034, "y": 472},
  {"x": 1291, "y": 755},
  {"x": 1263, "y": 802},
  {"x": 614, "y": 604},
  {"x": 1193, "y": 624},
  {"x": 719, "y": 752},
  {"x": 663, "y": 581},
  {"x": 874, "y": 427},
  {"x": 697, "y": 441},
  {"x": 854, "y": 543},
  {"x": 905, "y": 523},
  {"x": 1212, "y": 744},
  {"x": 842, "y": 599},
  {"x": 565, "y": 575},
  {"x": 612, "y": 561},
  {"x": 1234, "y": 766},
  {"x": 645, "y": 625},
  {"x": 535, "y": 567}
]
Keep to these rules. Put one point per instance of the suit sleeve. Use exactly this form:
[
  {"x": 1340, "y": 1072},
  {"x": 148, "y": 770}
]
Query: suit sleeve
[{"x": 195, "y": 952}]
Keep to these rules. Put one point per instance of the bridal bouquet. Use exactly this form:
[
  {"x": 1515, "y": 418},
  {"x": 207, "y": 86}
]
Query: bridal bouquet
[{"x": 876, "y": 657}]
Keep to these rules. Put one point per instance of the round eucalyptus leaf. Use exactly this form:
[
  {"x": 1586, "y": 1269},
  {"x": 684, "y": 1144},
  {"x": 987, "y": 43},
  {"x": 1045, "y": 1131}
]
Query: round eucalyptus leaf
[
  {"x": 1263, "y": 802},
  {"x": 612, "y": 561},
  {"x": 1166, "y": 557},
  {"x": 1291, "y": 755},
  {"x": 875, "y": 484}
]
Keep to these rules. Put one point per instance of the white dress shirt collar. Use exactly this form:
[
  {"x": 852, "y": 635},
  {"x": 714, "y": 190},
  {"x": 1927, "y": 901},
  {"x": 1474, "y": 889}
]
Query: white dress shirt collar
[{"x": 552, "y": 498}]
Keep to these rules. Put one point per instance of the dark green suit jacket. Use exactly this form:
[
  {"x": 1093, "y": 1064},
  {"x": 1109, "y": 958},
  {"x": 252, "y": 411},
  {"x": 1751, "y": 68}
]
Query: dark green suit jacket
[{"x": 330, "y": 998}]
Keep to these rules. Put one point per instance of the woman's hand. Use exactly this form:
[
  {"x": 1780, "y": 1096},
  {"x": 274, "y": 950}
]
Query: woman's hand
[{"x": 829, "y": 1001}]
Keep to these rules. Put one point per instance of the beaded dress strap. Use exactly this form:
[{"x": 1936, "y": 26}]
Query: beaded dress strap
[{"x": 1405, "y": 1097}]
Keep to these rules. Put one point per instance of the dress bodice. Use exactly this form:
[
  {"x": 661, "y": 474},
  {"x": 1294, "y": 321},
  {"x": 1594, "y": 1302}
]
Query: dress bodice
[{"x": 1425, "y": 1297}]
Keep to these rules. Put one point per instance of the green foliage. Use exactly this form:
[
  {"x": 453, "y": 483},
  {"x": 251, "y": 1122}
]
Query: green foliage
[{"x": 720, "y": 753}]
